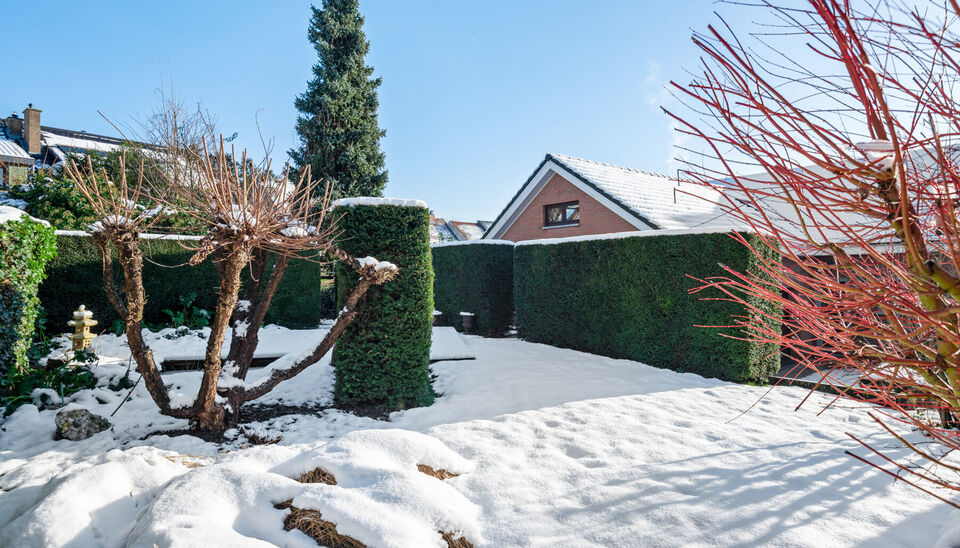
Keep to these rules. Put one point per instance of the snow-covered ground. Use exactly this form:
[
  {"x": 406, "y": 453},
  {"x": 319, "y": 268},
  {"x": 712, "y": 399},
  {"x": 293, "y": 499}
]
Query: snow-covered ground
[{"x": 554, "y": 447}]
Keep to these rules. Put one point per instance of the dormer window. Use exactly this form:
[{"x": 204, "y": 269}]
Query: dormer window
[{"x": 565, "y": 214}]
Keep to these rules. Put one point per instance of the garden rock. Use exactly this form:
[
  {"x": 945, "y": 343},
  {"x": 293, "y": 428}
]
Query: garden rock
[{"x": 79, "y": 424}]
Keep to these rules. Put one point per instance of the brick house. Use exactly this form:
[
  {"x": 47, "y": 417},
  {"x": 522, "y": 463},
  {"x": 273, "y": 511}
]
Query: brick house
[{"x": 567, "y": 196}]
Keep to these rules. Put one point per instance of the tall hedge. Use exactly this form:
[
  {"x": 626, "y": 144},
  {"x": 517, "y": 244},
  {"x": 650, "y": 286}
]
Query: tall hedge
[
  {"x": 382, "y": 358},
  {"x": 475, "y": 277},
  {"x": 25, "y": 247},
  {"x": 75, "y": 278},
  {"x": 629, "y": 298}
]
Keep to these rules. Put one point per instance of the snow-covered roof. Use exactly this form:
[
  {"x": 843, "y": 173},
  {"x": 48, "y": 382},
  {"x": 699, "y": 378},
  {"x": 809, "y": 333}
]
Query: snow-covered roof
[
  {"x": 646, "y": 200},
  {"x": 11, "y": 152},
  {"x": 657, "y": 198},
  {"x": 440, "y": 232},
  {"x": 77, "y": 141},
  {"x": 470, "y": 231}
]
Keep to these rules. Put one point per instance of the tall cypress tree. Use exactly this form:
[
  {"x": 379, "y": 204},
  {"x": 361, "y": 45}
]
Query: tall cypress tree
[{"x": 339, "y": 134}]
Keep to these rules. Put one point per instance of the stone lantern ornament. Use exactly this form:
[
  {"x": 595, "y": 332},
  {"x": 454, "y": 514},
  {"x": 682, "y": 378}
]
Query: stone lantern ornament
[{"x": 81, "y": 323}]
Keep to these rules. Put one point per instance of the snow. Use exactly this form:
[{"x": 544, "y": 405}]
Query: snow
[
  {"x": 82, "y": 312},
  {"x": 9, "y": 213},
  {"x": 470, "y": 231},
  {"x": 56, "y": 140},
  {"x": 144, "y": 236},
  {"x": 12, "y": 202},
  {"x": 11, "y": 151},
  {"x": 447, "y": 344},
  {"x": 655, "y": 197},
  {"x": 636, "y": 234},
  {"x": 554, "y": 447},
  {"x": 367, "y": 201},
  {"x": 376, "y": 264},
  {"x": 110, "y": 221},
  {"x": 472, "y": 242},
  {"x": 879, "y": 151},
  {"x": 295, "y": 232},
  {"x": 441, "y": 233}
]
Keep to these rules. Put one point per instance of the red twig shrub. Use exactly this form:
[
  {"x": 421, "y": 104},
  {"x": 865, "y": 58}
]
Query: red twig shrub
[{"x": 851, "y": 133}]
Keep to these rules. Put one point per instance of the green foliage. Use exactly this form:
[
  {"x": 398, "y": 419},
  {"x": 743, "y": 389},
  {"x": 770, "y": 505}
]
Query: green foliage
[
  {"x": 382, "y": 358},
  {"x": 75, "y": 278},
  {"x": 17, "y": 388},
  {"x": 629, "y": 298},
  {"x": 25, "y": 247},
  {"x": 188, "y": 315},
  {"x": 477, "y": 278},
  {"x": 337, "y": 125},
  {"x": 53, "y": 197},
  {"x": 304, "y": 296}
]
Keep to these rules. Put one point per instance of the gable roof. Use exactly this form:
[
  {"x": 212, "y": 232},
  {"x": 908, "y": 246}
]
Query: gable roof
[
  {"x": 79, "y": 140},
  {"x": 646, "y": 200},
  {"x": 469, "y": 231},
  {"x": 12, "y": 153}
]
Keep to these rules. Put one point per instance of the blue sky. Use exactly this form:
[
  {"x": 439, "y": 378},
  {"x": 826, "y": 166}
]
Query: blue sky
[{"x": 474, "y": 92}]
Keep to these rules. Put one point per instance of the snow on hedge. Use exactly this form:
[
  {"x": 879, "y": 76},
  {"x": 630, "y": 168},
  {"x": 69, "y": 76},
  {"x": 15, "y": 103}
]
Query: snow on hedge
[
  {"x": 636, "y": 234},
  {"x": 146, "y": 236},
  {"x": 367, "y": 201},
  {"x": 472, "y": 242}
]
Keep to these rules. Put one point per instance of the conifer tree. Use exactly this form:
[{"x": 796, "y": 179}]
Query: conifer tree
[{"x": 337, "y": 125}]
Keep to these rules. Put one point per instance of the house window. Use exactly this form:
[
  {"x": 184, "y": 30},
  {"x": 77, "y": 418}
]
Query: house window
[{"x": 565, "y": 214}]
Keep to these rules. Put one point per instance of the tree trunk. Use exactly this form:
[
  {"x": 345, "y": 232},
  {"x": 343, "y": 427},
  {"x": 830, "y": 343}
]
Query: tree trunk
[{"x": 210, "y": 414}]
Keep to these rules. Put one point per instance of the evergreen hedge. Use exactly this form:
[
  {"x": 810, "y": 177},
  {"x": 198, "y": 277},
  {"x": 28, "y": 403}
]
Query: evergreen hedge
[
  {"x": 475, "y": 277},
  {"x": 629, "y": 298},
  {"x": 26, "y": 245},
  {"x": 75, "y": 278},
  {"x": 382, "y": 358}
]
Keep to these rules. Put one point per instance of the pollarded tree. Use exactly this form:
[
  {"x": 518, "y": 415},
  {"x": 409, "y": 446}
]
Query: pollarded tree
[
  {"x": 245, "y": 214},
  {"x": 337, "y": 125},
  {"x": 854, "y": 132}
]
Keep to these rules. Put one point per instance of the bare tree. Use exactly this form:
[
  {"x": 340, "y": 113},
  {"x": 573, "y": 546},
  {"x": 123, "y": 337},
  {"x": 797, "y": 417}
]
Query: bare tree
[
  {"x": 854, "y": 132},
  {"x": 246, "y": 215}
]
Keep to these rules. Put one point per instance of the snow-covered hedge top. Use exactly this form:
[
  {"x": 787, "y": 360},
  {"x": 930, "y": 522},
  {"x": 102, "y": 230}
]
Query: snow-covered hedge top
[
  {"x": 465, "y": 242},
  {"x": 142, "y": 236},
  {"x": 8, "y": 213},
  {"x": 635, "y": 234},
  {"x": 367, "y": 201}
]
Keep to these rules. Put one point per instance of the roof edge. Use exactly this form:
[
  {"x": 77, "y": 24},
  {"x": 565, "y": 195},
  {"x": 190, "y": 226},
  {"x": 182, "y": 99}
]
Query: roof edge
[{"x": 583, "y": 179}]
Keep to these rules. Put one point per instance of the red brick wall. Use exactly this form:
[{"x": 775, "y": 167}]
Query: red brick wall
[{"x": 595, "y": 218}]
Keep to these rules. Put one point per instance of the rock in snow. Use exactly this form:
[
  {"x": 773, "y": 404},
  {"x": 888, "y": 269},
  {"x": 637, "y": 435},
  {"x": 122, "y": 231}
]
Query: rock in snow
[{"x": 79, "y": 424}]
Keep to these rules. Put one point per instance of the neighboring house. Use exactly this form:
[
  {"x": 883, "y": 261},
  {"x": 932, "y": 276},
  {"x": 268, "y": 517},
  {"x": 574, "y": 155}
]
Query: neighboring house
[
  {"x": 442, "y": 230},
  {"x": 25, "y": 143},
  {"x": 15, "y": 163},
  {"x": 567, "y": 196}
]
